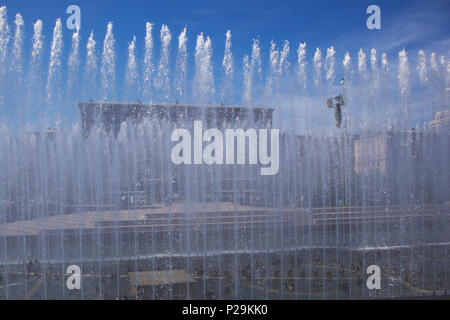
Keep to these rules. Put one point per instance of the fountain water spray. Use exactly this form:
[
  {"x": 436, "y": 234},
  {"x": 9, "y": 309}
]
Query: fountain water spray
[
  {"x": 362, "y": 62},
  {"x": 4, "y": 35},
  {"x": 90, "y": 75},
  {"x": 108, "y": 65},
  {"x": 256, "y": 71},
  {"x": 74, "y": 61},
  {"x": 274, "y": 58},
  {"x": 403, "y": 73},
  {"x": 162, "y": 83},
  {"x": 132, "y": 76},
  {"x": 346, "y": 62},
  {"x": 256, "y": 58},
  {"x": 38, "y": 44},
  {"x": 329, "y": 65},
  {"x": 17, "y": 44},
  {"x": 4, "y": 40},
  {"x": 103, "y": 193},
  {"x": 16, "y": 67},
  {"x": 204, "y": 89},
  {"x": 301, "y": 63},
  {"x": 181, "y": 67},
  {"x": 284, "y": 63},
  {"x": 227, "y": 63},
  {"x": 247, "y": 95},
  {"x": 54, "y": 75},
  {"x": 148, "y": 63},
  {"x": 73, "y": 75},
  {"x": 317, "y": 62}
]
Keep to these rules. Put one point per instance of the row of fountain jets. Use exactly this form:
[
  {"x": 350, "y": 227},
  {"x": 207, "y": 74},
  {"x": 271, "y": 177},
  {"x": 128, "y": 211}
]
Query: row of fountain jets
[{"x": 151, "y": 81}]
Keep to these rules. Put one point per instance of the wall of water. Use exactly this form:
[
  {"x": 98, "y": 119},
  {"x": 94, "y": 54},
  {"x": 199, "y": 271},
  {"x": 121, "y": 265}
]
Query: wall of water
[{"x": 377, "y": 190}]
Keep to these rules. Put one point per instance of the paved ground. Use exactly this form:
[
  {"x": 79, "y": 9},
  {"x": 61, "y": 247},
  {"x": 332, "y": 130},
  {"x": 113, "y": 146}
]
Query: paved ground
[{"x": 234, "y": 252}]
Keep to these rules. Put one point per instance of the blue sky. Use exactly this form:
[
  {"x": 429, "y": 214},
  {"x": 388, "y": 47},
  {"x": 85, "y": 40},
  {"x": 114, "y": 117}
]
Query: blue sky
[{"x": 321, "y": 23}]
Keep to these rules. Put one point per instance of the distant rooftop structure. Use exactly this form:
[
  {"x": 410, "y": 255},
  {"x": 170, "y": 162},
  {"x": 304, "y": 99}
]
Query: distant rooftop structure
[
  {"x": 441, "y": 118},
  {"x": 112, "y": 114}
]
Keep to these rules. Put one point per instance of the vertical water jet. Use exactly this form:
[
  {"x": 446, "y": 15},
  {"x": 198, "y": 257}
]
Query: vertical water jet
[
  {"x": 54, "y": 97},
  {"x": 162, "y": 83},
  {"x": 301, "y": 65},
  {"x": 227, "y": 64},
  {"x": 108, "y": 66},
  {"x": 148, "y": 68},
  {"x": 181, "y": 67},
  {"x": 90, "y": 73},
  {"x": 131, "y": 77}
]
